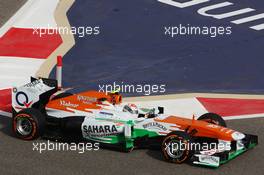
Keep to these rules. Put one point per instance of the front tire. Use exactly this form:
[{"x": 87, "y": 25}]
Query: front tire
[
  {"x": 28, "y": 124},
  {"x": 176, "y": 147},
  {"x": 213, "y": 118}
]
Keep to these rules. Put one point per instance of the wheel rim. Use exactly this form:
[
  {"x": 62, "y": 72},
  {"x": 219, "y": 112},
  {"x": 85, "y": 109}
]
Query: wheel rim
[
  {"x": 24, "y": 126},
  {"x": 174, "y": 149}
]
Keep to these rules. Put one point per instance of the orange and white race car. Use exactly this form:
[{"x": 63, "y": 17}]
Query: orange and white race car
[{"x": 40, "y": 109}]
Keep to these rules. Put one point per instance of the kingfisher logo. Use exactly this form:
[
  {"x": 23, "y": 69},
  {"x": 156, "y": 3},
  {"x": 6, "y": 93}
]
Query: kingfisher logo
[{"x": 208, "y": 11}]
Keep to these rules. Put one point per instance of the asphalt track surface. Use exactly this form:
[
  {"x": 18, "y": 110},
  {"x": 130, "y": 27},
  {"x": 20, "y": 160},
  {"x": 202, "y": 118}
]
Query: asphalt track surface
[
  {"x": 17, "y": 157},
  {"x": 132, "y": 48},
  {"x": 8, "y": 8}
]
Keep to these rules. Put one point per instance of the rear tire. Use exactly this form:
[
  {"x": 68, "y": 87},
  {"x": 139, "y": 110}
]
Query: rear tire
[
  {"x": 28, "y": 124},
  {"x": 213, "y": 118},
  {"x": 171, "y": 147}
]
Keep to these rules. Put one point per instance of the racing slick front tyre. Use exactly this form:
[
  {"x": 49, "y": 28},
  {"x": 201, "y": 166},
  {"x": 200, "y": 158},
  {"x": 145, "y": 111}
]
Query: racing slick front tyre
[
  {"x": 213, "y": 118},
  {"x": 28, "y": 124},
  {"x": 176, "y": 147}
]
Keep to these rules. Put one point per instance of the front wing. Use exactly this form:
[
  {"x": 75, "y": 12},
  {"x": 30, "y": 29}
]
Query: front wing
[{"x": 217, "y": 159}]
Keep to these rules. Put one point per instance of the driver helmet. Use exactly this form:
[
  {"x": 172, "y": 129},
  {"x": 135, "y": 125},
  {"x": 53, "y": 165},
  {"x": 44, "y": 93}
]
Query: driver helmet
[{"x": 131, "y": 108}]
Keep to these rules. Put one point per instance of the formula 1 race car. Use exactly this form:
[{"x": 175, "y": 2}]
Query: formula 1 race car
[{"x": 40, "y": 108}]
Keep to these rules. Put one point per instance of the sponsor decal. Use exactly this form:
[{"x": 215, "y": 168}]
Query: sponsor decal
[
  {"x": 155, "y": 125},
  {"x": 85, "y": 99},
  {"x": 22, "y": 99},
  {"x": 68, "y": 104},
  {"x": 100, "y": 130},
  {"x": 209, "y": 159},
  {"x": 33, "y": 84}
]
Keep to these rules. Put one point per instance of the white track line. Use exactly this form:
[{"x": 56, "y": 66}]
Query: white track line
[
  {"x": 16, "y": 71},
  {"x": 183, "y": 107},
  {"x": 180, "y": 107},
  {"x": 33, "y": 14},
  {"x": 244, "y": 116},
  {"x": 40, "y": 15}
]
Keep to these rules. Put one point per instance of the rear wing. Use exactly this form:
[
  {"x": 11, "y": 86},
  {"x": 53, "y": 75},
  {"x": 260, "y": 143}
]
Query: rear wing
[
  {"x": 9, "y": 99},
  {"x": 24, "y": 52},
  {"x": 34, "y": 94}
]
